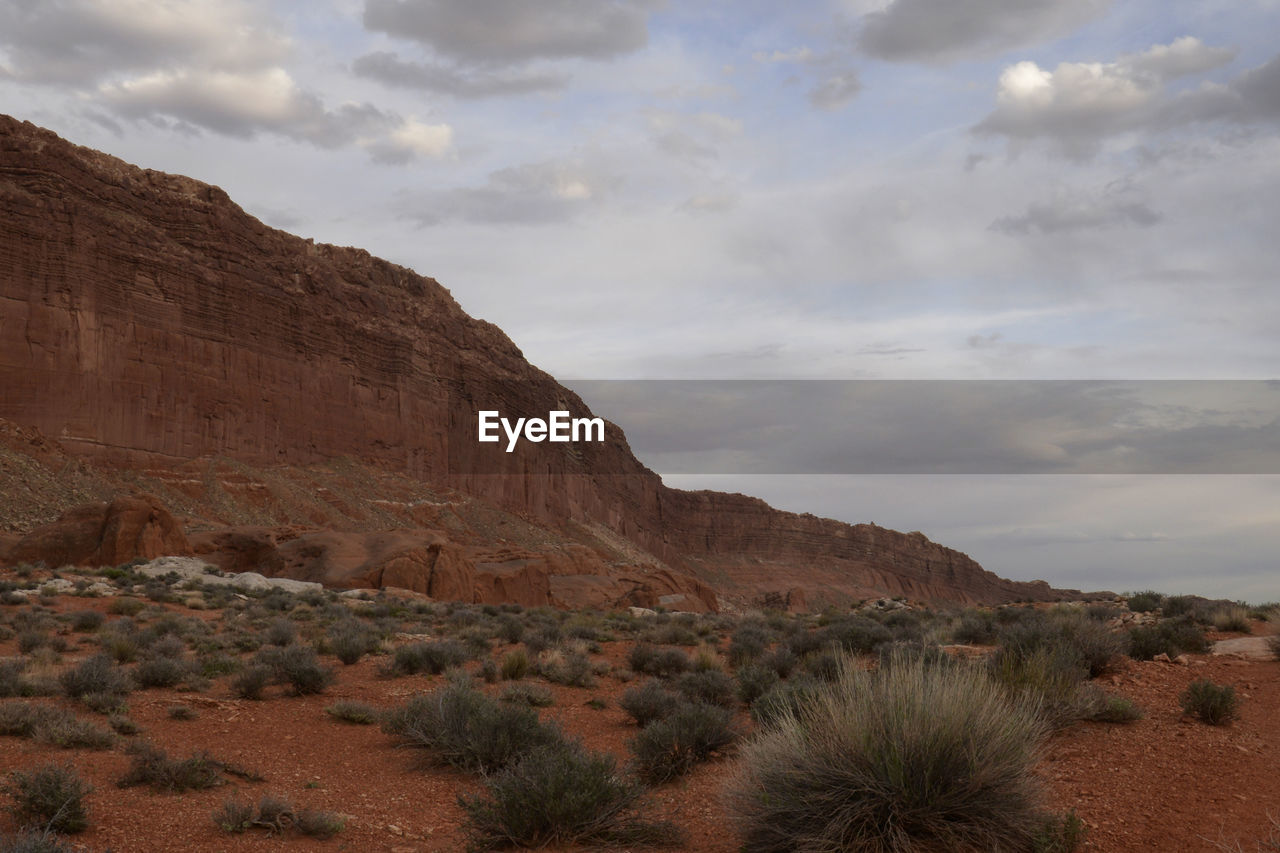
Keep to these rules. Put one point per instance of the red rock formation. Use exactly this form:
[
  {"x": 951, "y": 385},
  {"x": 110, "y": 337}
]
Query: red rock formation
[
  {"x": 100, "y": 534},
  {"x": 147, "y": 320}
]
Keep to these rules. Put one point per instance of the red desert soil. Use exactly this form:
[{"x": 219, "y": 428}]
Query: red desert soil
[{"x": 1163, "y": 783}]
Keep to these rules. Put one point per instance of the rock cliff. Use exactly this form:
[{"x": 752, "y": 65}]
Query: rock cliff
[{"x": 147, "y": 323}]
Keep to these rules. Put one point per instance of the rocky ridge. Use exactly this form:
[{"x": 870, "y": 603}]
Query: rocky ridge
[{"x": 153, "y": 333}]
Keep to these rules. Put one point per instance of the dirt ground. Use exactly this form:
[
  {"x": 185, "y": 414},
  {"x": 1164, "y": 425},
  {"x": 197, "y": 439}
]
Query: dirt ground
[{"x": 1163, "y": 783}]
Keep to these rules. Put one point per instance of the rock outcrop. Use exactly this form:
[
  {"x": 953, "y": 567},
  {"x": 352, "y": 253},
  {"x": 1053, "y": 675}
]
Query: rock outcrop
[
  {"x": 147, "y": 321},
  {"x": 104, "y": 534}
]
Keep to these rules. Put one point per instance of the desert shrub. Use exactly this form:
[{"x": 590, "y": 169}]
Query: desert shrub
[
  {"x": 562, "y": 795},
  {"x": 1114, "y": 709},
  {"x": 353, "y": 711},
  {"x": 671, "y": 746},
  {"x": 1062, "y": 833},
  {"x": 350, "y": 640},
  {"x": 976, "y": 627},
  {"x": 1145, "y": 602},
  {"x": 572, "y": 669},
  {"x": 1046, "y": 678},
  {"x": 234, "y": 815},
  {"x": 85, "y": 621},
  {"x": 748, "y": 643},
  {"x": 711, "y": 686},
  {"x": 182, "y": 712},
  {"x": 434, "y": 657},
  {"x": 160, "y": 672},
  {"x": 533, "y": 695},
  {"x": 824, "y": 666},
  {"x": 34, "y": 841},
  {"x": 52, "y": 725},
  {"x": 1181, "y": 605},
  {"x": 250, "y": 682},
  {"x": 318, "y": 824},
  {"x": 783, "y": 699},
  {"x": 1101, "y": 611},
  {"x": 909, "y": 758},
  {"x": 671, "y": 634},
  {"x": 856, "y": 634},
  {"x": 652, "y": 660},
  {"x": 96, "y": 674},
  {"x": 1072, "y": 636},
  {"x": 515, "y": 665},
  {"x": 462, "y": 727},
  {"x": 1273, "y": 643},
  {"x": 280, "y": 632},
  {"x": 1168, "y": 636},
  {"x": 755, "y": 680},
  {"x": 298, "y": 666},
  {"x": 1215, "y": 704},
  {"x": 122, "y": 606},
  {"x": 648, "y": 702},
  {"x": 151, "y": 766},
  {"x": 50, "y": 797},
  {"x": 781, "y": 660},
  {"x": 510, "y": 629},
  {"x": 12, "y": 679},
  {"x": 277, "y": 816},
  {"x": 1232, "y": 619}
]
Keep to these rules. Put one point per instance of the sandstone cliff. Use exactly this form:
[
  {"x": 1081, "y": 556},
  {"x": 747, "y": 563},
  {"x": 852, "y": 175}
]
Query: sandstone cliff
[{"x": 146, "y": 321}]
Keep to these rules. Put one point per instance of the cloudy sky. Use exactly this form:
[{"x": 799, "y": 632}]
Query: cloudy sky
[{"x": 831, "y": 189}]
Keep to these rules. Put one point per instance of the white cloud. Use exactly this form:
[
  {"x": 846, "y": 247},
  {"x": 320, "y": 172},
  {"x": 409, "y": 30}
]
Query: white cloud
[
  {"x": 410, "y": 140},
  {"x": 1077, "y": 104},
  {"x": 835, "y": 91},
  {"x": 799, "y": 54},
  {"x": 531, "y": 194}
]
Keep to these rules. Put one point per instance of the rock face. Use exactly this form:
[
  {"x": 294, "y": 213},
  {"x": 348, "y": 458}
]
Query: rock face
[
  {"x": 146, "y": 320},
  {"x": 99, "y": 534}
]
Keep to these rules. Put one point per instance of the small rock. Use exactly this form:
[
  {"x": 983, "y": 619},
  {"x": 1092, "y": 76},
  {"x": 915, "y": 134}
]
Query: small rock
[
  {"x": 1182, "y": 660},
  {"x": 1162, "y": 658}
]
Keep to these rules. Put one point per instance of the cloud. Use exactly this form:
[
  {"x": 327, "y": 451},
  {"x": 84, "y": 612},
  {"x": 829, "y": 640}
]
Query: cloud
[
  {"x": 506, "y": 32},
  {"x": 244, "y": 104},
  {"x": 1068, "y": 212},
  {"x": 692, "y": 137},
  {"x": 799, "y": 55},
  {"x": 529, "y": 194},
  {"x": 949, "y": 30},
  {"x": 84, "y": 41},
  {"x": 1080, "y": 103},
  {"x": 835, "y": 91},
  {"x": 389, "y": 68}
]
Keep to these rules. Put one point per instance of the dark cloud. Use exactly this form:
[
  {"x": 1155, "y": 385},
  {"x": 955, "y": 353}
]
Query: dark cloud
[
  {"x": 835, "y": 91},
  {"x": 945, "y": 427},
  {"x": 389, "y": 68},
  {"x": 507, "y": 32},
  {"x": 1067, "y": 214},
  {"x": 83, "y": 41},
  {"x": 947, "y": 30}
]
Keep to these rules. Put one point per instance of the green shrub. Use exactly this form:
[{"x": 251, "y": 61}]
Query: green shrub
[
  {"x": 648, "y": 702},
  {"x": 1215, "y": 704},
  {"x": 95, "y": 675},
  {"x": 281, "y": 632},
  {"x": 298, "y": 666},
  {"x": 34, "y": 841},
  {"x": 52, "y": 725},
  {"x": 1115, "y": 709},
  {"x": 151, "y": 766},
  {"x": 533, "y": 695},
  {"x": 1181, "y": 605},
  {"x": 781, "y": 660},
  {"x": 856, "y": 634},
  {"x": 671, "y": 746},
  {"x": 277, "y": 816},
  {"x": 234, "y": 815},
  {"x": 432, "y": 657},
  {"x": 571, "y": 670},
  {"x": 559, "y": 795},
  {"x": 125, "y": 606},
  {"x": 160, "y": 672},
  {"x": 748, "y": 643},
  {"x": 350, "y": 640},
  {"x": 1145, "y": 602},
  {"x": 462, "y": 727},
  {"x": 250, "y": 682},
  {"x": 975, "y": 627},
  {"x": 783, "y": 700},
  {"x": 353, "y": 711},
  {"x": 710, "y": 686},
  {"x": 1168, "y": 636},
  {"x": 755, "y": 680},
  {"x": 1232, "y": 619},
  {"x": 49, "y": 797},
  {"x": 1047, "y": 678},
  {"x": 914, "y": 757},
  {"x": 1059, "y": 833},
  {"x": 655, "y": 661},
  {"x": 515, "y": 665},
  {"x": 86, "y": 621}
]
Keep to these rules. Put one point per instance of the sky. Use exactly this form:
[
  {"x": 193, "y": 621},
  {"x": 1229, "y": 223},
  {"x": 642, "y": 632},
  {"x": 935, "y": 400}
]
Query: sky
[{"x": 830, "y": 189}]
